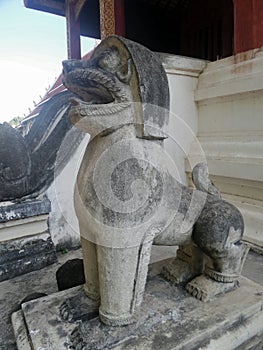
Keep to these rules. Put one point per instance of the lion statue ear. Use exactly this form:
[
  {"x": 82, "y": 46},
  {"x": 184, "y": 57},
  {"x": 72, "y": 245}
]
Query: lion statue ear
[{"x": 125, "y": 72}]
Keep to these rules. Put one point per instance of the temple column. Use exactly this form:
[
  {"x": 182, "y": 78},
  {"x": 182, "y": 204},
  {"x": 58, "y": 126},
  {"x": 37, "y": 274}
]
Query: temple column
[
  {"x": 73, "y": 30},
  {"x": 248, "y": 28},
  {"x": 112, "y": 18}
]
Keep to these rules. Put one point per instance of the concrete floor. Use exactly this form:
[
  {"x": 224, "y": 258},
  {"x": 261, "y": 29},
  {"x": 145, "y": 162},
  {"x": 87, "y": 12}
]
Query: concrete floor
[{"x": 16, "y": 289}]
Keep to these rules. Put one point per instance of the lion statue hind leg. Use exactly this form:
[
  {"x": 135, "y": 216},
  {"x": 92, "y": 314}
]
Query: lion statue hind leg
[{"x": 218, "y": 233}]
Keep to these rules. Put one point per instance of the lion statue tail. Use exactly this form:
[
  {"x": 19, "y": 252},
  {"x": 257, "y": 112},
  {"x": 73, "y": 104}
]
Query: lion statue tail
[{"x": 202, "y": 181}]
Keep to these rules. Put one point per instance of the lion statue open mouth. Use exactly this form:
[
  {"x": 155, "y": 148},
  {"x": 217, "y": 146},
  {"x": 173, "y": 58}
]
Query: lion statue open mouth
[{"x": 127, "y": 197}]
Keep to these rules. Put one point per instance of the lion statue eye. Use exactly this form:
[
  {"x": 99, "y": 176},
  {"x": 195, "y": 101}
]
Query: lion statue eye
[{"x": 110, "y": 60}]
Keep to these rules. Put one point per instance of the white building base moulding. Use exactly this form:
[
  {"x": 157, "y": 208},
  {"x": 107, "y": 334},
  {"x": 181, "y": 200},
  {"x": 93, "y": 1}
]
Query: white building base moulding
[{"x": 229, "y": 98}]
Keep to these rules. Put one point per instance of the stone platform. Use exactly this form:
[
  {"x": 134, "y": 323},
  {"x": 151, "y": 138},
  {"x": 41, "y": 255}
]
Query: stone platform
[{"x": 168, "y": 319}]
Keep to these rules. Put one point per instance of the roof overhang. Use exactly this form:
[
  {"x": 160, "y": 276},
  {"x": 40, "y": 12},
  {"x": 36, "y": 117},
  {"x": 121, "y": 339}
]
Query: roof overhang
[{"x": 57, "y": 7}]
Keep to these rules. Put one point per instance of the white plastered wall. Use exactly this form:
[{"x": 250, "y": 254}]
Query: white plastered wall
[
  {"x": 183, "y": 74},
  {"x": 63, "y": 224},
  {"x": 230, "y": 128}
]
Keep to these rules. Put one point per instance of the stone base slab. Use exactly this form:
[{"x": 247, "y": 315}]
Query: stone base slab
[{"x": 168, "y": 319}]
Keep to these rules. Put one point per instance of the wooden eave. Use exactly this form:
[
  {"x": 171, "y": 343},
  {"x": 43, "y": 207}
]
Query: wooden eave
[{"x": 57, "y": 7}]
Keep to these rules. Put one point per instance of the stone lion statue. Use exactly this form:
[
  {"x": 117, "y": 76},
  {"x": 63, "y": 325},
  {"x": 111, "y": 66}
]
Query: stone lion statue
[{"x": 127, "y": 197}]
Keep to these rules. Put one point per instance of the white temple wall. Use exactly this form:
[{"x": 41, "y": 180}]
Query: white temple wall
[
  {"x": 229, "y": 97},
  {"x": 183, "y": 74},
  {"x": 63, "y": 224}
]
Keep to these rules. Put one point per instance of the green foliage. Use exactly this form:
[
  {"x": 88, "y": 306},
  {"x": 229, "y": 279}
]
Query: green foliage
[{"x": 64, "y": 250}]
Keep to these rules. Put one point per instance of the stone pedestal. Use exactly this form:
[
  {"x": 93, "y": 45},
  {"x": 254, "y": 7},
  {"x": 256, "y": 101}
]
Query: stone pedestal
[
  {"x": 168, "y": 319},
  {"x": 25, "y": 241}
]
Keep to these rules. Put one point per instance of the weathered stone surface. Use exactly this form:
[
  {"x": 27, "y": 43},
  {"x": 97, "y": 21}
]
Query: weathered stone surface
[
  {"x": 15, "y": 163},
  {"x": 25, "y": 243},
  {"x": 32, "y": 296},
  {"x": 27, "y": 162},
  {"x": 127, "y": 197},
  {"x": 15, "y": 211},
  {"x": 20, "y": 331},
  {"x": 168, "y": 319},
  {"x": 14, "y": 290},
  {"x": 21, "y": 256},
  {"x": 122, "y": 71}
]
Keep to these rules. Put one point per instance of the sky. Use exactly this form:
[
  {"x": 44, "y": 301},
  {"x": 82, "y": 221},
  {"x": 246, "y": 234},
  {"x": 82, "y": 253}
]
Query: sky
[{"x": 32, "y": 47}]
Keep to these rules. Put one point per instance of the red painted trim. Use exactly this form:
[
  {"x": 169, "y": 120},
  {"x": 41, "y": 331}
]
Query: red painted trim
[
  {"x": 258, "y": 23},
  {"x": 119, "y": 14},
  {"x": 248, "y": 25}
]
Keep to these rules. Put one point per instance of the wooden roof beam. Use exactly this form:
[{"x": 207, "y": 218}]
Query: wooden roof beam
[
  {"x": 73, "y": 30},
  {"x": 78, "y": 7},
  {"x": 52, "y": 6}
]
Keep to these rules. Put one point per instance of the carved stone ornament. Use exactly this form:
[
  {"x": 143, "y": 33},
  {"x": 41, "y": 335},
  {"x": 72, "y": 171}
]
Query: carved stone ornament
[
  {"x": 27, "y": 162},
  {"x": 127, "y": 197}
]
